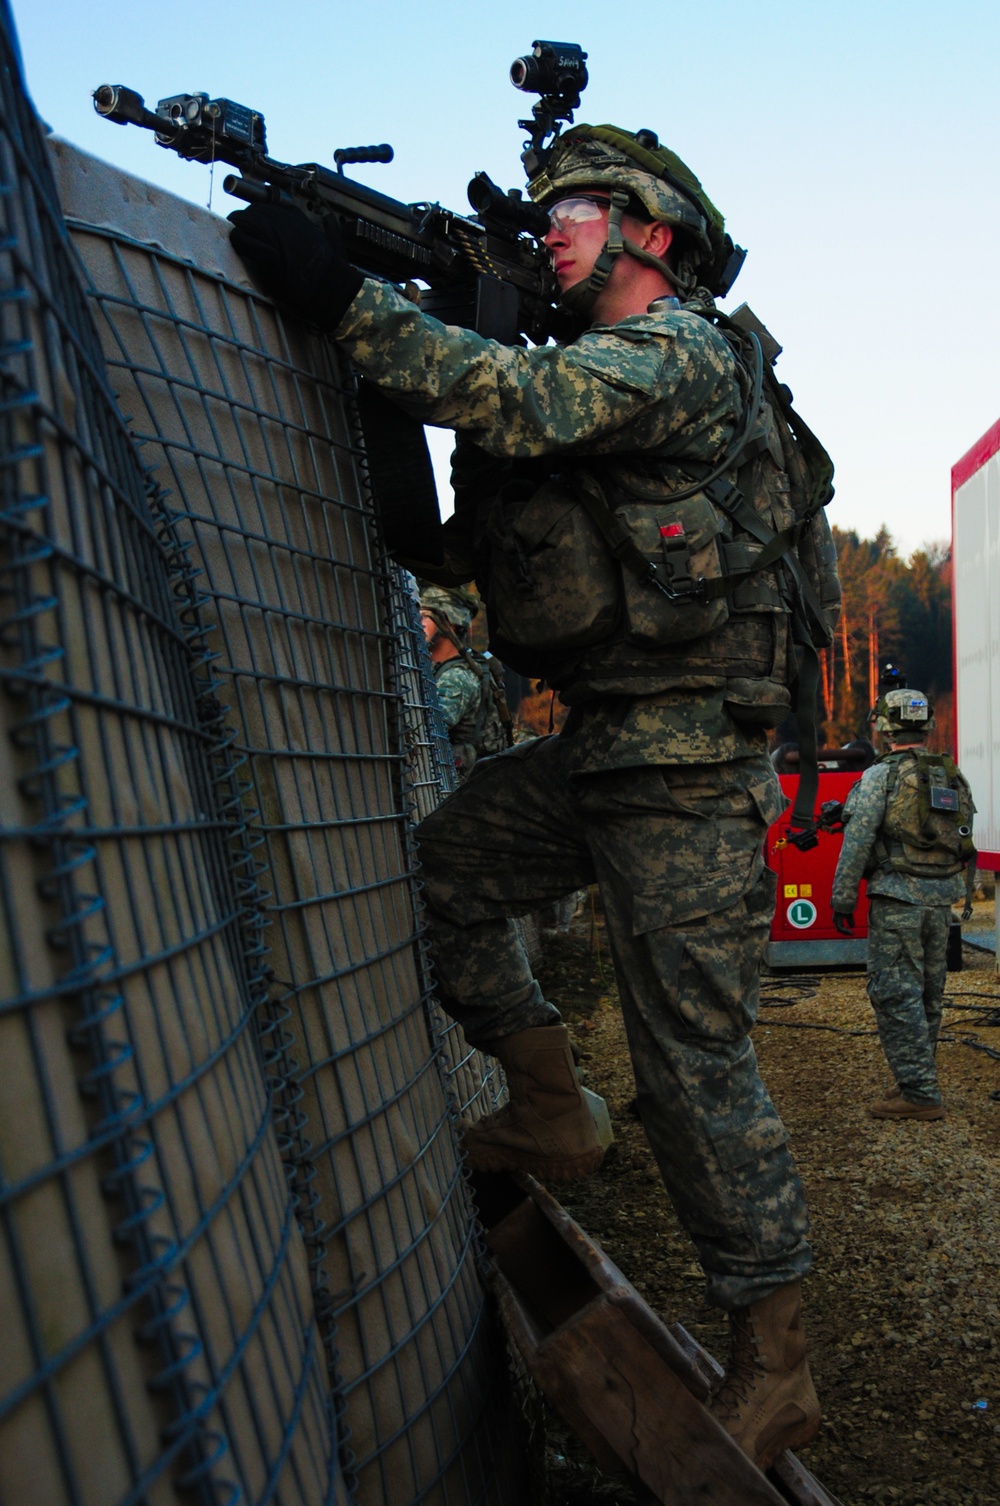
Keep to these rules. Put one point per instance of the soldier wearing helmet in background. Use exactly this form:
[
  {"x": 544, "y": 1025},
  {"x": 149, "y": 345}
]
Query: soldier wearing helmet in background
[
  {"x": 659, "y": 787},
  {"x": 908, "y": 829},
  {"x": 469, "y": 687}
]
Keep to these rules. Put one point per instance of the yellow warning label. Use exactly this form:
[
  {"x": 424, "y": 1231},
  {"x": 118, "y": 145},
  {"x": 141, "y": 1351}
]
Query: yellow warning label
[
  {"x": 791, "y": 891},
  {"x": 806, "y": 891}
]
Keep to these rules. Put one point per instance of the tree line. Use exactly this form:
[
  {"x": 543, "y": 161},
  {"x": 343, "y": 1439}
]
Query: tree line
[{"x": 894, "y": 609}]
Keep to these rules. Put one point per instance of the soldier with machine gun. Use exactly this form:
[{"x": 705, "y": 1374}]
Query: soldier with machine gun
[{"x": 642, "y": 512}]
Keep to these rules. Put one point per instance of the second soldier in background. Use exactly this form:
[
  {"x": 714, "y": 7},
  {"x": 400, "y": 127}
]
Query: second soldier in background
[{"x": 469, "y": 684}]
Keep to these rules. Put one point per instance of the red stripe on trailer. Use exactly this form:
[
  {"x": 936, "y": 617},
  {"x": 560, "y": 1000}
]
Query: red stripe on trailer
[
  {"x": 975, "y": 458},
  {"x": 963, "y": 471}
]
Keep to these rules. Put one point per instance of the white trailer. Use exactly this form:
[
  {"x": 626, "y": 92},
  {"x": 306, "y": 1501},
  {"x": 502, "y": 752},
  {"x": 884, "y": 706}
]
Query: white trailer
[{"x": 975, "y": 536}]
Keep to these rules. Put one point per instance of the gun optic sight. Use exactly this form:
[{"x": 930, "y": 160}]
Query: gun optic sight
[{"x": 507, "y": 211}]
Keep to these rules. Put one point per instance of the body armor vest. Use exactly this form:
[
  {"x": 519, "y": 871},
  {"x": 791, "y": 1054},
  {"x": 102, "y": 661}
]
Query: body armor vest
[{"x": 620, "y": 576}]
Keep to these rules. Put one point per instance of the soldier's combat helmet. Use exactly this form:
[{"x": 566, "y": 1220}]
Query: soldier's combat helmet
[
  {"x": 456, "y": 606},
  {"x": 902, "y": 711},
  {"x": 640, "y": 176}
]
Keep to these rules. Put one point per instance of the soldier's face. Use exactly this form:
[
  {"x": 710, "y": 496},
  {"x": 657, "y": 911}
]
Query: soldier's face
[{"x": 577, "y": 232}]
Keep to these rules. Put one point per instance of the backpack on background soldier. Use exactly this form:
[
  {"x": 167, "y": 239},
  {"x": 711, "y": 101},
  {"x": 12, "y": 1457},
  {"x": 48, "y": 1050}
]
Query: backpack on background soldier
[{"x": 927, "y": 829}]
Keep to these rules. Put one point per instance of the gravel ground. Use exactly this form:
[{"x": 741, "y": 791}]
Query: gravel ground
[{"x": 902, "y": 1303}]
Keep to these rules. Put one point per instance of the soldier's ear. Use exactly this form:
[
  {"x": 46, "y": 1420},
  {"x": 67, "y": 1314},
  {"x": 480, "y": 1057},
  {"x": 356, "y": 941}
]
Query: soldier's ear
[{"x": 660, "y": 237}]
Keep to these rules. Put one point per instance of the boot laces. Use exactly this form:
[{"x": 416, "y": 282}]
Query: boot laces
[{"x": 743, "y": 1367}]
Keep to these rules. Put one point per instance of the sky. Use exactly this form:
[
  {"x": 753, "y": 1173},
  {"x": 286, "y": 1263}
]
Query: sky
[{"x": 851, "y": 144}]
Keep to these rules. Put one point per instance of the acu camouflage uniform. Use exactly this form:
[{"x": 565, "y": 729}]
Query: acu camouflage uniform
[
  {"x": 473, "y": 722},
  {"x": 908, "y": 923},
  {"x": 661, "y": 796}
]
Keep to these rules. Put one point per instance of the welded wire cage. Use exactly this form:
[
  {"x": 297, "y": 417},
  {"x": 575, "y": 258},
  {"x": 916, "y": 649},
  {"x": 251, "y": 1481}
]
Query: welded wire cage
[
  {"x": 249, "y": 422},
  {"x": 474, "y": 1081},
  {"x": 157, "y": 1328},
  {"x": 430, "y": 764}
]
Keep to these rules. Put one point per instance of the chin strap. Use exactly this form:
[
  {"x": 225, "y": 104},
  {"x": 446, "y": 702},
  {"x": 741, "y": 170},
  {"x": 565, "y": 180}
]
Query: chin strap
[{"x": 582, "y": 296}]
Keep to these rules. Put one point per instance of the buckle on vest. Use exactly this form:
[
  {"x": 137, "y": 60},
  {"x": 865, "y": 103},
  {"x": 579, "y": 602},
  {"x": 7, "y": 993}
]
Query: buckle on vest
[{"x": 677, "y": 563}]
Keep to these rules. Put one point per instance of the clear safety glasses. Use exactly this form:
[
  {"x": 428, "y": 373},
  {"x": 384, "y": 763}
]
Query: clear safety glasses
[{"x": 569, "y": 213}]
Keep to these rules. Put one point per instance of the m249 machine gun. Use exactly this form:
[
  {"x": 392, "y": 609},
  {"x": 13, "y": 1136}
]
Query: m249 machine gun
[{"x": 487, "y": 271}]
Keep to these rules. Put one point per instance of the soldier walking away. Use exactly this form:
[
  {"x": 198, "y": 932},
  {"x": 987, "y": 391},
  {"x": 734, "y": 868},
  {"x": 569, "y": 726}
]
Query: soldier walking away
[
  {"x": 637, "y": 511},
  {"x": 908, "y": 829},
  {"x": 469, "y": 684}
]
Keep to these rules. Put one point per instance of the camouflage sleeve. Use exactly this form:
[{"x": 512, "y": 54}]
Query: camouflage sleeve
[
  {"x": 864, "y": 811},
  {"x": 625, "y": 387},
  {"x": 458, "y": 691}
]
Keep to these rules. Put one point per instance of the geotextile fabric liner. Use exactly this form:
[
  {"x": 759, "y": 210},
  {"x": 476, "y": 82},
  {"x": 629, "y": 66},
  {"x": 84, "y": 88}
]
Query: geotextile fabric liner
[
  {"x": 248, "y": 420},
  {"x": 157, "y": 1329}
]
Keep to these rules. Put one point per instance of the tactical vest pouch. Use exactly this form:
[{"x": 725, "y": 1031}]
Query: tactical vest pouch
[
  {"x": 552, "y": 582},
  {"x": 681, "y": 540},
  {"x": 568, "y": 573}
]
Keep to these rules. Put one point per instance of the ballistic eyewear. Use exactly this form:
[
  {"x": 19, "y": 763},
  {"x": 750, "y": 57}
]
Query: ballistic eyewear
[{"x": 569, "y": 213}]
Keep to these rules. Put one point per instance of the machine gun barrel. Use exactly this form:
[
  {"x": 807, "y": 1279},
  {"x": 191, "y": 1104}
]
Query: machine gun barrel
[{"x": 486, "y": 271}]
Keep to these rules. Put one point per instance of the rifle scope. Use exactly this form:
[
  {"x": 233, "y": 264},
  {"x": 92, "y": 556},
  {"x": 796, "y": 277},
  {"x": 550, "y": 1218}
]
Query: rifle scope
[{"x": 506, "y": 211}]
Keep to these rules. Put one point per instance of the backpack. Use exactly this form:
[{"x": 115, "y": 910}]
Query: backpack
[{"x": 927, "y": 828}]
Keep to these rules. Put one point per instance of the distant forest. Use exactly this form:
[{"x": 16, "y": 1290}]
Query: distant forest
[{"x": 893, "y": 609}]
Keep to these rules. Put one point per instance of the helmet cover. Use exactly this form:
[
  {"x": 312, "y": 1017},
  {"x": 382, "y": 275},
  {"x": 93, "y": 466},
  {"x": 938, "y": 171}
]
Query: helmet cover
[
  {"x": 607, "y": 157},
  {"x": 457, "y": 607},
  {"x": 903, "y": 711}
]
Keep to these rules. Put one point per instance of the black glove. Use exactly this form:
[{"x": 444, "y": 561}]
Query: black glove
[
  {"x": 967, "y": 910},
  {"x": 298, "y": 262},
  {"x": 843, "y": 923}
]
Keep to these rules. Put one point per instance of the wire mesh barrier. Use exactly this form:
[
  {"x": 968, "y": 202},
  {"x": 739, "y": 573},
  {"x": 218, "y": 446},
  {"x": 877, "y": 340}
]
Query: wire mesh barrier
[
  {"x": 430, "y": 767},
  {"x": 250, "y": 422},
  {"x": 475, "y": 1082},
  {"x": 157, "y": 1331}
]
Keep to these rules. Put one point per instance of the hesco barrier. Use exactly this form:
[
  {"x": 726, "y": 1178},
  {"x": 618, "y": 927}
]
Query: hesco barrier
[
  {"x": 430, "y": 773},
  {"x": 248, "y": 420},
  {"x": 156, "y": 1319}
]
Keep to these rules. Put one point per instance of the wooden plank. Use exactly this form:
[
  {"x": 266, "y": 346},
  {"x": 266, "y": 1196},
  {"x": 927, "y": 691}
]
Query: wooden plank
[
  {"x": 630, "y": 1387},
  {"x": 790, "y": 1475}
]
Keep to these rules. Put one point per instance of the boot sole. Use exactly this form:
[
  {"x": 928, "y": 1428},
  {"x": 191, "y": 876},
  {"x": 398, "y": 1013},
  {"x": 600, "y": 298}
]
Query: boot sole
[
  {"x": 932, "y": 1118},
  {"x": 790, "y": 1438},
  {"x": 546, "y": 1168}
]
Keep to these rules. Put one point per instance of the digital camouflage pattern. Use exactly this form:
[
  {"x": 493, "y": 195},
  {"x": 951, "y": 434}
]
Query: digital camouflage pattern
[
  {"x": 908, "y": 922},
  {"x": 907, "y": 964},
  {"x": 473, "y": 722},
  {"x": 623, "y": 388},
  {"x": 620, "y": 389},
  {"x": 662, "y": 798},
  {"x": 458, "y": 688},
  {"x": 677, "y": 852},
  {"x": 864, "y": 812}
]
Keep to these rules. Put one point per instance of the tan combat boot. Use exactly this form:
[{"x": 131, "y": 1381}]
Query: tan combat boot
[
  {"x": 895, "y": 1106},
  {"x": 766, "y": 1400},
  {"x": 546, "y": 1128}
]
